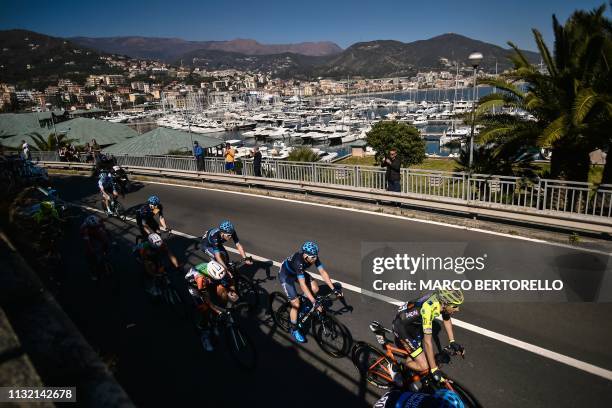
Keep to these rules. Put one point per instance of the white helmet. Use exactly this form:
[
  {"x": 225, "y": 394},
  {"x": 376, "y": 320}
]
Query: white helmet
[
  {"x": 116, "y": 168},
  {"x": 155, "y": 240},
  {"x": 215, "y": 270}
]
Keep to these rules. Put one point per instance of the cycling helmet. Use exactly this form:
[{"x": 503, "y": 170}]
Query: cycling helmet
[
  {"x": 310, "y": 248},
  {"x": 226, "y": 227},
  {"x": 451, "y": 297},
  {"x": 154, "y": 200},
  {"x": 215, "y": 270},
  {"x": 447, "y": 399},
  {"x": 92, "y": 221},
  {"x": 155, "y": 240},
  {"x": 116, "y": 168},
  {"x": 52, "y": 194}
]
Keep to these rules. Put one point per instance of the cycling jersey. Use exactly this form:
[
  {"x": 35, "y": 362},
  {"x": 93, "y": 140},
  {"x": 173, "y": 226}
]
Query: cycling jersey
[
  {"x": 97, "y": 233},
  {"x": 145, "y": 212},
  {"x": 107, "y": 184},
  {"x": 213, "y": 241},
  {"x": 415, "y": 318},
  {"x": 294, "y": 268},
  {"x": 422, "y": 312},
  {"x": 144, "y": 251},
  {"x": 295, "y": 265}
]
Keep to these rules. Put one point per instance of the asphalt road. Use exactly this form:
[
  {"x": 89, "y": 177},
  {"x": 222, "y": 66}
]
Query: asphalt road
[{"x": 159, "y": 359}]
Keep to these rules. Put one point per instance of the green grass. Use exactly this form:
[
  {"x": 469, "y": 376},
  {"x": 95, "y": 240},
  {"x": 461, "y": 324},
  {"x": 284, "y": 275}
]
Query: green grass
[{"x": 428, "y": 164}]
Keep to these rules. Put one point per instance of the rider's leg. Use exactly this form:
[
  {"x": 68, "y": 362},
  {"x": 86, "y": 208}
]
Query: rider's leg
[
  {"x": 418, "y": 363},
  {"x": 222, "y": 295}
]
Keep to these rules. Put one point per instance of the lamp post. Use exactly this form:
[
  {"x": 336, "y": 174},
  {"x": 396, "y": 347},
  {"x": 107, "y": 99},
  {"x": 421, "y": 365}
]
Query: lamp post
[{"x": 475, "y": 59}]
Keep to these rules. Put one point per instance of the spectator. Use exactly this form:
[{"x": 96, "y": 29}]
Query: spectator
[
  {"x": 88, "y": 153},
  {"x": 26, "y": 150},
  {"x": 95, "y": 148},
  {"x": 198, "y": 153},
  {"x": 256, "y": 161},
  {"x": 62, "y": 154},
  {"x": 393, "y": 165},
  {"x": 229, "y": 155}
]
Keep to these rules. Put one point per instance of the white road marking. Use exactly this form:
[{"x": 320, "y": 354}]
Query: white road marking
[
  {"x": 438, "y": 223},
  {"x": 561, "y": 358}
]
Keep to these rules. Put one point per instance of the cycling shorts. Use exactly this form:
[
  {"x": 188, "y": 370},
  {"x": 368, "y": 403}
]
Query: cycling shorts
[
  {"x": 411, "y": 332},
  {"x": 288, "y": 282}
]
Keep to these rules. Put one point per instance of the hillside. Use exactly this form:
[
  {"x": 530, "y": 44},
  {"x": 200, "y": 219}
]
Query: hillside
[
  {"x": 33, "y": 60},
  {"x": 170, "y": 49}
]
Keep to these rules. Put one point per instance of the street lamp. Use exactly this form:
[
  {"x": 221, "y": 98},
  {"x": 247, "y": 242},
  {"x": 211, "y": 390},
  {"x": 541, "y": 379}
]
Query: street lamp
[{"x": 475, "y": 59}]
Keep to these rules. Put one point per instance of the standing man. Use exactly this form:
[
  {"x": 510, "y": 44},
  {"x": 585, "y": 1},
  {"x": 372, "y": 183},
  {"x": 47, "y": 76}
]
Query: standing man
[
  {"x": 229, "y": 158},
  {"x": 26, "y": 150},
  {"x": 393, "y": 165},
  {"x": 256, "y": 161},
  {"x": 198, "y": 152}
]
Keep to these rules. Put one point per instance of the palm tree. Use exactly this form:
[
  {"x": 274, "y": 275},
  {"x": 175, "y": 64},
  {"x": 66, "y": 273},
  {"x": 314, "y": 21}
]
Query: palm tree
[
  {"x": 51, "y": 143},
  {"x": 569, "y": 103}
]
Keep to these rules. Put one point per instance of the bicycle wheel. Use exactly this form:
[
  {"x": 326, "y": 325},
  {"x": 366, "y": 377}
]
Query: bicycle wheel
[
  {"x": 332, "y": 336},
  {"x": 466, "y": 396},
  {"x": 240, "y": 347},
  {"x": 279, "y": 309},
  {"x": 248, "y": 292},
  {"x": 372, "y": 364}
]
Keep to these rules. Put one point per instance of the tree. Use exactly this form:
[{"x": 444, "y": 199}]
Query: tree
[
  {"x": 303, "y": 154},
  {"x": 385, "y": 136},
  {"x": 51, "y": 143},
  {"x": 568, "y": 104}
]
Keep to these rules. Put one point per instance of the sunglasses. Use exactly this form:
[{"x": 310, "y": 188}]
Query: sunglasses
[{"x": 311, "y": 257}]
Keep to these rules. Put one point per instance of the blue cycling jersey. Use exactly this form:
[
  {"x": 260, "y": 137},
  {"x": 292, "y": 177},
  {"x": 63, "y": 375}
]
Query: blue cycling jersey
[
  {"x": 145, "y": 212},
  {"x": 295, "y": 265},
  {"x": 212, "y": 239},
  {"x": 106, "y": 182}
]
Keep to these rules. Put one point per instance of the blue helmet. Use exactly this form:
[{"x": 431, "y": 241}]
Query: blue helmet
[
  {"x": 447, "y": 399},
  {"x": 310, "y": 248},
  {"x": 154, "y": 200},
  {"x": 227, "y": 227}
]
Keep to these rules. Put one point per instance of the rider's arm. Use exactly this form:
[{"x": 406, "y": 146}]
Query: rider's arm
[
  {"x": 429, "y": 352},
  {"x": 206, "y": 299},
  {"x": 427, "y": 316},
  {"x": 324, "y": 274},
  {"x": 219, "y": 258},
  {"x": 240, "y": 249},
  {"x": 162, "y": 221},
  {"x": 448, "y": 326}
]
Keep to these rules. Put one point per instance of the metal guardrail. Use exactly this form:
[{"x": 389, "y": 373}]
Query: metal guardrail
[{"x": 578, "y": 199}]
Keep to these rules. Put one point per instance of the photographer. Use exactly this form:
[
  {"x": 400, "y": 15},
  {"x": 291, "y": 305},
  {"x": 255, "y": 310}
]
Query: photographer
[{"x": 393, "y": 165}]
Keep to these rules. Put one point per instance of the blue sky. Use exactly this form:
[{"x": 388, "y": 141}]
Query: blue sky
[{"x": 271, "y": 21}]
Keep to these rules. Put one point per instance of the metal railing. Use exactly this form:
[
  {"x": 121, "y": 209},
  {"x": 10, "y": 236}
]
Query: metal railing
[{"x": 500, "y": 192}]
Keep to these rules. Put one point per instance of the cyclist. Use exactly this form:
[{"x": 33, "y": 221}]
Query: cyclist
[
  {"x": 413, "y": 325},
  {"x": 213, "y": 240},
  {"x": 96, "y": 239},
  {"x": 439, "y": 399},
  {"x": 107, "y": 186},
  {"x": 151, "y": 253},
  {"x": 145, "y": 216},
  {"x": 293, "y": 270},
  {"x": 207, "y": 281},
  {"x": 46, "y": 213}
]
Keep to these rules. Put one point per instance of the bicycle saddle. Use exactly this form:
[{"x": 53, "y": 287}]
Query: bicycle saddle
[{"x": 377, "y": 328}]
